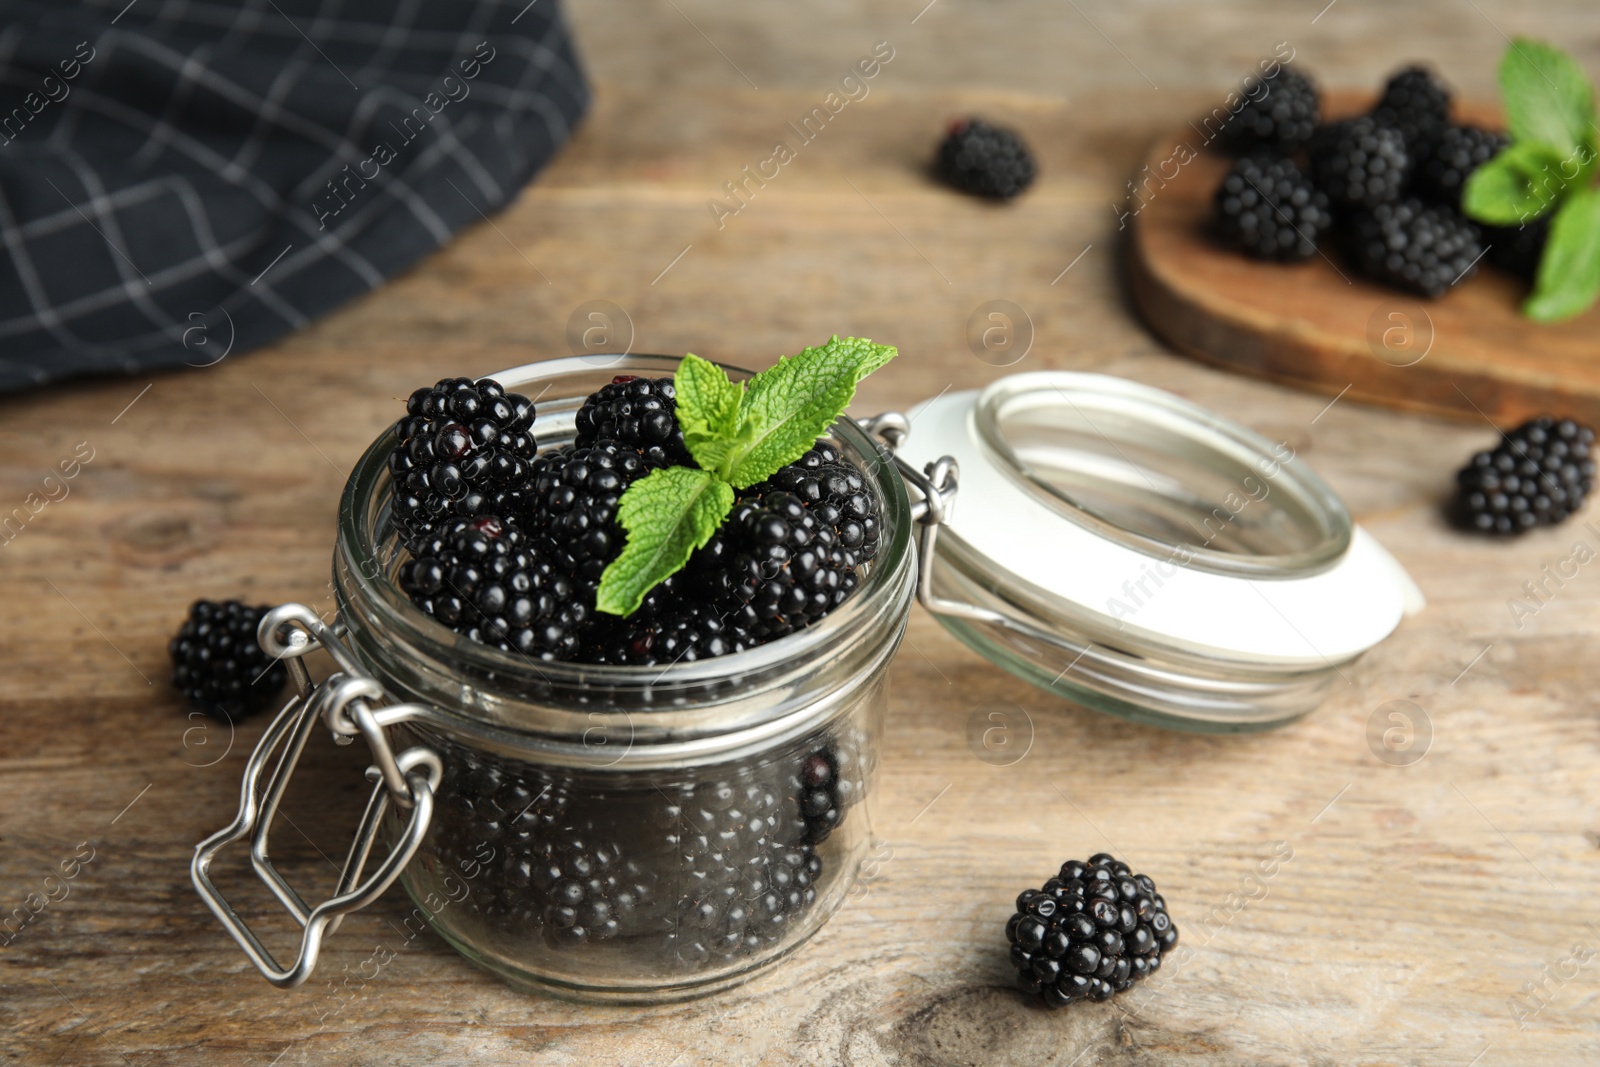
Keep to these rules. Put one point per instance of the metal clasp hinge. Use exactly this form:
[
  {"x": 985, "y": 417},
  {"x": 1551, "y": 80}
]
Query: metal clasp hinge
[{"x": 409, "y": 780}]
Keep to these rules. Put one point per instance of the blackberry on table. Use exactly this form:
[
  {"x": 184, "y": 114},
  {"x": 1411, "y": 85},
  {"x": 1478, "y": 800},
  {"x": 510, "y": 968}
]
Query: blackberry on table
[
  {"x": 1359, "y": 162},
  {"x": 1426, "y": 249},
  {"x": 218, "y": 664},
  {"x": 1281, "y": 119},
  {"x": 1538, "y": 475},
  {"x": 462, "y": 450},
  {"x": 1416, "y": 103},
  {"x": 1268, "y": 209},
  {"x": 1457, "y": 152},
  {"x": 484, "y": 579},
  {"x": 1088, "y": 933},
  {"x": 639, "y": 413},
  {"x": 1518, "y": 249},
  {"x": 985, "y": 160}
]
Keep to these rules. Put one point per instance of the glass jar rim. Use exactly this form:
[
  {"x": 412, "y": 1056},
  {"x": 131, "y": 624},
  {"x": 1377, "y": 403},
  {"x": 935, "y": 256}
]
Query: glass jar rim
[
  {"x": 1205, "y": 434},
  {"x": 365, "y": 588}
]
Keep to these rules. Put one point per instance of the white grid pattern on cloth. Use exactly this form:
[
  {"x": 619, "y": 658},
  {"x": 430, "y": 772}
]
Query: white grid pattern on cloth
[{"x": 198, "y": 138}]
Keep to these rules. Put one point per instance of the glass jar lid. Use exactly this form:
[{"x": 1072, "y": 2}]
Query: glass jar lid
[{"x": 1101, "y": 520}]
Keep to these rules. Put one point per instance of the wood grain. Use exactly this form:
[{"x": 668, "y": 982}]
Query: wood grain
[
  {"x": 1418, "y": 900},
  {"x": 1320, "y": 325}
]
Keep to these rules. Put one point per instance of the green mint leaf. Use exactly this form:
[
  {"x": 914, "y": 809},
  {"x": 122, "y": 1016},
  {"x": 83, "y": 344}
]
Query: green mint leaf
[
  {"x": 1569, "y": 271},
  {"x": 1518, "y": 185},
  {"x": 1547, "y": 96},
  {"x": 668, "y": 514},
  {"x": 708, "y": 410},
  {"x": 788, "y": 406}
]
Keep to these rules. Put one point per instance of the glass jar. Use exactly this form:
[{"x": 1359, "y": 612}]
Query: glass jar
[{"x": 627, "y": 833}]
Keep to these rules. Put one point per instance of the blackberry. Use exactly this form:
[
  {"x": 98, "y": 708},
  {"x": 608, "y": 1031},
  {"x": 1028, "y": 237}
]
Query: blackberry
[
  {"x": 1268, "y": 209},
  {"x": 772, "y": 568},
  {"x": 640, "y": 413},
  {"x": 1416, "y": 103},
  {"x": 743, "y": 863},
  {"x": 1425, "y": 249},
  {"x": 536, "y": 867},
  {"x": 462, "y": 450},
  {"x": 984, "y": 160},
  {"x": 1281, "y": 119},
  {"x": 1539, "y": 474},
  {"x": 1359, "y": 162},
  {"x": 484, "y": 579},
  {"x": 570, "y": 507},
  {"x": 836, "y": 494},
  {"x": 666, "y": 629},
  {"x": 1457, "y": 152},
  {"x": 832, "y": 779},
  {"x": 1090, "y": 932},
  {"x": 218, "y": 664},
  {"x": 1518, "y": 249}
]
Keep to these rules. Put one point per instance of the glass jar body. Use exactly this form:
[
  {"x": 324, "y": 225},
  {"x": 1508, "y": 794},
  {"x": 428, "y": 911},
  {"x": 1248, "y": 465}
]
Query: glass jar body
[{"x": 632, "y": 834}]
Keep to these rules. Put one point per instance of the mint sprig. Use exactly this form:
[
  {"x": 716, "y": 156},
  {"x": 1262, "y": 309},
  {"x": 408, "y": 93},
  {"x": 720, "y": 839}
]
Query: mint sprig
[
  {"x": 1549, "y": 167},
  {"x": 739, "y": 435}
]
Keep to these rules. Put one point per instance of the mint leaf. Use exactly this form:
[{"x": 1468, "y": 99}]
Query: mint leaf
[
  {"x": 1569, "y": 271},
  {"x": 788, "y": 406},
  {"x": 708, "y": 410},
  {"x": 1547, "y": 97},
  {"x": 668, "y": 514},
  {"x": 1518, "y": 185}
]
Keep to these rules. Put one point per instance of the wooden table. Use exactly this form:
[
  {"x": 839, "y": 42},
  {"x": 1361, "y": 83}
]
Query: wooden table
[{"x": 1420, "y": 903}]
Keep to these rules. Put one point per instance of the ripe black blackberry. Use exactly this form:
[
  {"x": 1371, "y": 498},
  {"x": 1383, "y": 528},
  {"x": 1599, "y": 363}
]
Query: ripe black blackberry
[
  {"x": 739, "y": 854},
  {"x": 1539, "y": 474},
  {"x": 484, "y": 578},
  {"x": 1457, "y": 152},
  {"x": 1425, "y": 249},
  {"x": 1093, "y": 930},
  {"x": 1518, "y": 249},
  {"x": 462, "y": 450},
  {"x": 640, "y": 413},
  {"x": 218, "y": 664},
  {"x": 667, "y": 628},
  {"x": 836, "y": 494},
  {"x": 1359, "y": 162},
  {"x": 570, "y": 507},
  {"x": 984, "y": 160},
  {"x": 1281, "y": 118},
  {"x": 832, "y": 779},
  {"x": 772, "y": 568},
  {"x": 1268, "y": 209},
  {"x": 1416, "y": 103}
]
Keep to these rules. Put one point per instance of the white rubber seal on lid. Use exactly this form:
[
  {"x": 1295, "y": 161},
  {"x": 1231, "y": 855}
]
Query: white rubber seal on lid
[{"x": 1321, "y": 600}]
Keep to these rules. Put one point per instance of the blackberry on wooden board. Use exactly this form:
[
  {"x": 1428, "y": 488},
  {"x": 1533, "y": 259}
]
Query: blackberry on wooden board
[
  {"x": 217, "y": 663},
  {"x": 462, "y": 450},
  {"x": 1268, "y": 209},
  {"x": 1456, "y": 153},
  {"x": 1359, "y": 163},
  {"x": 1088, "y": 933},
  {"x": 984, "y": 160},
  {"x": 1416, "y": 103},
  {"x": 1427, "y": 249},
  {"x": 1538, "y": 475},
  {"x": 1278, "y": 116}
]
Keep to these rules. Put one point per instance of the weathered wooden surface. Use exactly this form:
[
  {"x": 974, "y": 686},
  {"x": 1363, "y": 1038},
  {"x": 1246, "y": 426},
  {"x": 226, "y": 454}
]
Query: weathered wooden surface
[
  {"x": 1419, "y": 901},
  {"x": 1321, "y": 326}
]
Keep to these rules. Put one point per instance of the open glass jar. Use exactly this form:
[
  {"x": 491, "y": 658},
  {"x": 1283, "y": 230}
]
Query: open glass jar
[{"x": 649, "y": 833}]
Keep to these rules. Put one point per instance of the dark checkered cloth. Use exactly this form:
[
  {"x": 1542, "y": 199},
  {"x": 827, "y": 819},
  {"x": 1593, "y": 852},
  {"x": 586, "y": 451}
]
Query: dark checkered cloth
[{"x": 185, "y": 178}]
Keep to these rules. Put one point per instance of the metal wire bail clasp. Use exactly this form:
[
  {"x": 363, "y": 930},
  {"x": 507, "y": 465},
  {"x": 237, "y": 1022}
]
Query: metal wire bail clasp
[{"x": 344, "y": 702}]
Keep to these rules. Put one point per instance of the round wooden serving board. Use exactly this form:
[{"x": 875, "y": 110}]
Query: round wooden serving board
[{"x": 1320, "y": 326}]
